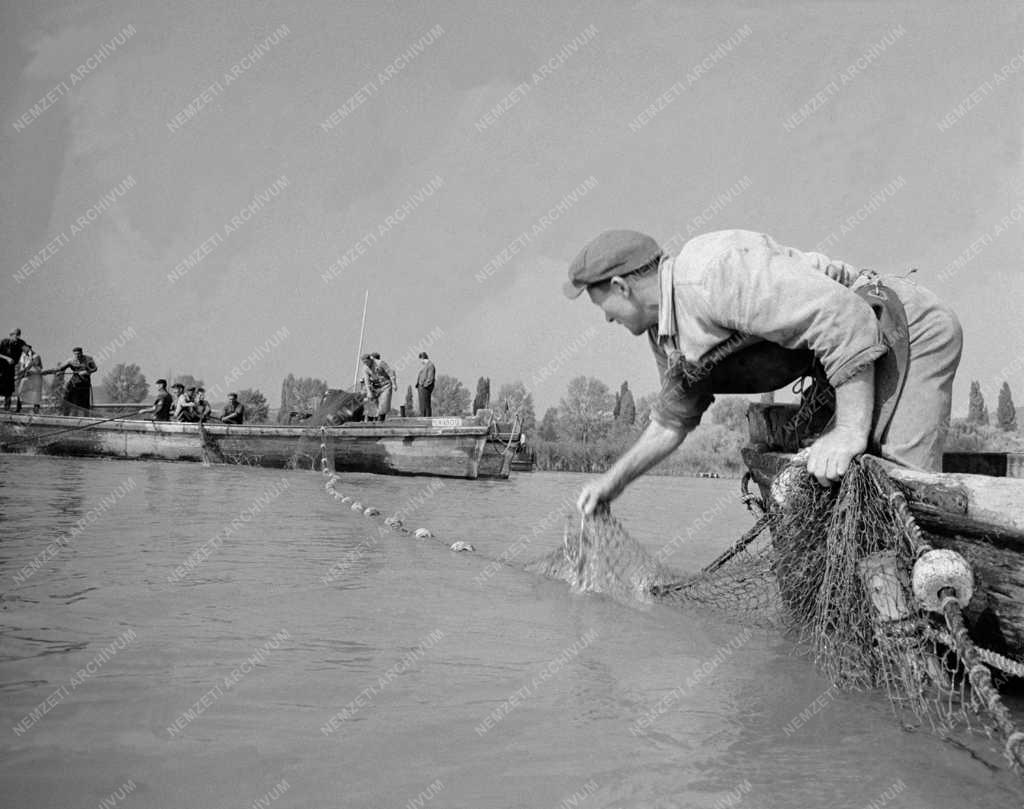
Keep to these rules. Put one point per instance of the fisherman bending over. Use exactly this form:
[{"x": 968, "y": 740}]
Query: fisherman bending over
[
  {"x": 379, "y": 384},
  {"x": 735, "y": 312}
]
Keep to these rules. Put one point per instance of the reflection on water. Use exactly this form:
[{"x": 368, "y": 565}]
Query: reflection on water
[{"x": 306, "y": 612}]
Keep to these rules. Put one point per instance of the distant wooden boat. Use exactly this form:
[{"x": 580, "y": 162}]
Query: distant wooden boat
[
  {"x": 510, "y": 435},
  {"x": 981, "y": 517},
  {"x": 461, "y": 447},
  {"x": 525, "y": 459}
]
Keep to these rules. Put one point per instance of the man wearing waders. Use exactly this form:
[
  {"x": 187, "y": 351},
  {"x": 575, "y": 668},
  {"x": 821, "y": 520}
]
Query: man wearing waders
[{"x": 735, "y": 312}]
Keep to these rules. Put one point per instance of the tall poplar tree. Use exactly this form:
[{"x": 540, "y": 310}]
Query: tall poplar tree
[
  {"x": 1006, "y": 413},
  {"x": 977, "y": 413}
]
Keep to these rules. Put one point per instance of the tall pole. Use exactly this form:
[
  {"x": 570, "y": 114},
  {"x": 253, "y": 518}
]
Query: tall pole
[{"x": 359, "y": 353}]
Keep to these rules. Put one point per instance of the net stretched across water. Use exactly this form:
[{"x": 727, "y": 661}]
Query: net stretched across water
[{"x": 848, "y": 573}]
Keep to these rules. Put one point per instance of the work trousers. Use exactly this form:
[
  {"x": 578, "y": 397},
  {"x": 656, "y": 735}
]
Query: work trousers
[
  {"x": 424, "y": 395},
  {"x": 917, "y": 432}
]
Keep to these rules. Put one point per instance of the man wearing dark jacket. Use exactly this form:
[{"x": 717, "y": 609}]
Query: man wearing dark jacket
[
  {"x": 10, "y": 354},
  {"x": 425, "y": 383},
  {"x": 163, "y": 403}
]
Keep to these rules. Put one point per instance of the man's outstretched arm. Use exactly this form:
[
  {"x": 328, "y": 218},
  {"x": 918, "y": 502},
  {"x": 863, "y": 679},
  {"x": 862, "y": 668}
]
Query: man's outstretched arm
[{"x": 654, "y": 444}]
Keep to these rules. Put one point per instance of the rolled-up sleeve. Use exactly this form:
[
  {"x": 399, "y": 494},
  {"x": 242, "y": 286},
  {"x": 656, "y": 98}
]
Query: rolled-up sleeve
[
  {"x": 767, "y": 293},
  {"x": 676, "y": 408}
]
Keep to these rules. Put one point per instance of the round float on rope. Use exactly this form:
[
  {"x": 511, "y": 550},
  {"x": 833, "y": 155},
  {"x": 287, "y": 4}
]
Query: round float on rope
[
  {"x": 938, "y": 569},
  {"x": 370, "y": 511},
  {"x": 393, "y": 522},
  {"x": 423, "y": 533},
  {"x": 789, "y": 479},
  {"x": 357, "y": 506},
  {"x": 461, "y": 546}
]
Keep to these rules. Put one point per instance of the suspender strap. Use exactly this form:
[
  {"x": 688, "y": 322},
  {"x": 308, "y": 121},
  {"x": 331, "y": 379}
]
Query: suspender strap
[{"x": 891, "y": 368}]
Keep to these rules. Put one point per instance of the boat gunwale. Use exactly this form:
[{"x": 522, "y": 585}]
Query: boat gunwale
[{"x": 375, "y": 430}]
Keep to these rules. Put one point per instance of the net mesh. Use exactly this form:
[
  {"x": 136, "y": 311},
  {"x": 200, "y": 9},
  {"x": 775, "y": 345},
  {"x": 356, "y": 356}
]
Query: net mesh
[{"x": 832, "y": 567}]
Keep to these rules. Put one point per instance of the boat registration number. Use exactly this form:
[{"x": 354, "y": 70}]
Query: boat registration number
[{"x": 446, "y": 422}]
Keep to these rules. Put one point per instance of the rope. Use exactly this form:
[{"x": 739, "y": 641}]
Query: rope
[
  {"x": 755, "y": 505},
  {"x": 391, "y": 523},
  {"x": 1005, "y": 664},
  {"x": 752, "y": 533},
  {"x": 981, "y": 679},
  {"x": 681, "y": 586},
  {"x": 971, "y": 657},
  {"x": 325, "y": 465},
  {"x": 45, "y": 436}
]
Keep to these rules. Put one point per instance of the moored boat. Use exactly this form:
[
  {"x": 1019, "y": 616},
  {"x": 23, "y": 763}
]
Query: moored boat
[{"x": 445, "y": 447}]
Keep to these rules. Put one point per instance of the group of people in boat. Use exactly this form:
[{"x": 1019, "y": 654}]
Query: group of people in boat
[
  {"x": 21, "y": 380},
  {"x": 21, "y": 376},
  {"x": 190, "y": 404}
]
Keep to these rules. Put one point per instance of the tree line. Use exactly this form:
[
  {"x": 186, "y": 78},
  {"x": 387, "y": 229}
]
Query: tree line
[
  {"x": 977, "y": 433},
  {"x": 591, "y": 426},
  {"x": 586, "y": 432}
]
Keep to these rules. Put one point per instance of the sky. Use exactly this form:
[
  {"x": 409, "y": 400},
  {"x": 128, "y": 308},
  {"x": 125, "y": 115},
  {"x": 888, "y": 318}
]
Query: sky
[{"x": 447, "y": 161}]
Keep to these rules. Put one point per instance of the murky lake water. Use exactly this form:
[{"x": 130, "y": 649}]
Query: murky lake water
[{"x": 302, "y": 659}]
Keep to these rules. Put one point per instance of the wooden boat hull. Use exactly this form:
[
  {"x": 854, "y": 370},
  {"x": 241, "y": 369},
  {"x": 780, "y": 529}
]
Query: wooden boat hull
[
  {"x": 446, "y": 447},
  {"x": 980, "y": 517}
]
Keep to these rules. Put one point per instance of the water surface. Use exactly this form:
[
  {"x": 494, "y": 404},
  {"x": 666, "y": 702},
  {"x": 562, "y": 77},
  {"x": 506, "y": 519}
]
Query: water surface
[{"x": 306, "y": 660}]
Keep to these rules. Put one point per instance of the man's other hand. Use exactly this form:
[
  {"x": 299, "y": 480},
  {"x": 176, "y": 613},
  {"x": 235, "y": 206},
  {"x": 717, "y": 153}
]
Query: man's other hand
[{"x": 829, "y": 457}]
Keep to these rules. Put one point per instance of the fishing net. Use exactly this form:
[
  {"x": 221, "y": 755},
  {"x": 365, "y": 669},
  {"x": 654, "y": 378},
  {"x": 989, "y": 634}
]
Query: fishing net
[{"x": 834, "y": 567}]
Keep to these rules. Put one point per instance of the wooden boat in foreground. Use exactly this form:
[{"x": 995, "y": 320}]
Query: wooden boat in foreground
[
  {"x": 462, "y": 447},
  {"x": 980, "y": 517}
]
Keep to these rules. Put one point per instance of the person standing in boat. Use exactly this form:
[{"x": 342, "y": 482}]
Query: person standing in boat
[
  {"x": 10, "y": 355},
  {"x": 425, "y": 383},
  {"x": 735, "y": 312},
  {"x": 78, "y": 390},
  {"x": 30, "y": 385},
  {"x": 378, "y": 379},
  {"x": 391, "y": 375},
  {"x": 234, "y": 411}
]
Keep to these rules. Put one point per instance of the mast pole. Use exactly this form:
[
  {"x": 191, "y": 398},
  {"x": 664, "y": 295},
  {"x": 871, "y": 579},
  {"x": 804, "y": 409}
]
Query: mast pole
[{"x": 359, "y": 353}]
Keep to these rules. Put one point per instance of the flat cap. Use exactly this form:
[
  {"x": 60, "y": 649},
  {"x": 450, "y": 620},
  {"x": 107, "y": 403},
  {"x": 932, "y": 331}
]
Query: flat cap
[{"x": 614, "y": 252}]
